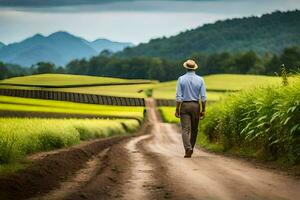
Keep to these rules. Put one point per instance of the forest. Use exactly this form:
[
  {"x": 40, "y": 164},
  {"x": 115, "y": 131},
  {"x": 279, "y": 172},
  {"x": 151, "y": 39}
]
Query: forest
[
  {"x": 163, "y": 69},
  {"x": 268, "y": 33}
]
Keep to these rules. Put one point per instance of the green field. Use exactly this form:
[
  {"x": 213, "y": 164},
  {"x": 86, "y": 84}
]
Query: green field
[
  {"x": 20, "y": 137},
  {"x": 168, "y": 114},
  {"x": 217, "y": 85},
  {"x": 112, "y": 90},
  {"x": 64, "y": 80},
  {"x": 38, "y": 105},
  {"x": 81, "y": 84}
]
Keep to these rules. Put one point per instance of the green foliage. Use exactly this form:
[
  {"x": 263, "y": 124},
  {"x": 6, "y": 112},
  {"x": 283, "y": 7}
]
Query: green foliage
[
  {"x": 43, "y": 68},
  {"x": 260, "y": 120},
  {"x": 19, "y": 137},
  {"x": 268, "y": 33},
  {"x": 284, "y": 75},
  {"x": 3, "y": 71},
  {"x": 149, "y": 92},
  {"x": 162, "y": 69}
]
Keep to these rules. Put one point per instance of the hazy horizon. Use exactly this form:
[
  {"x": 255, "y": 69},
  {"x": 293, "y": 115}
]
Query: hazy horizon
[{"x": 125, "y": 21}]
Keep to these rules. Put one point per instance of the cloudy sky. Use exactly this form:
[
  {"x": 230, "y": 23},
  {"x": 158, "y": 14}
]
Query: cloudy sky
[{"x": 123, "y": 20}]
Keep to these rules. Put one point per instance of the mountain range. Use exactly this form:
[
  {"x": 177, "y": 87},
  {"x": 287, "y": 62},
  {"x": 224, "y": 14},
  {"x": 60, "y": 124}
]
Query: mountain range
[
  {"x": 58, "y": 48},
  {"x": 269, "y": 33},
  {"x": 1, "y": 45}
]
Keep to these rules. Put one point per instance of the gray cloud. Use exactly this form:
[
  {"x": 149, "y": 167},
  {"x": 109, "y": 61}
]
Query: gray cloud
[
  {"x": 46, "y": 3},
  {"x": 135, "y": 21}
]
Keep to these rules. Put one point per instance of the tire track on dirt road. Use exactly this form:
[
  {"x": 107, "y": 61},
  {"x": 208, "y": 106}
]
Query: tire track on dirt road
[{"x": 78, "y": 180}]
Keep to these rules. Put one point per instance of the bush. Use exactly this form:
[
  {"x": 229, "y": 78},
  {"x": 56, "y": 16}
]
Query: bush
[{"x": 263, "y": 122}]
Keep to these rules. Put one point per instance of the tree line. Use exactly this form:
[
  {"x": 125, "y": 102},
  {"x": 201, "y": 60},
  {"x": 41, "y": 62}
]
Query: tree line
[{"x": 163, "y": 69}]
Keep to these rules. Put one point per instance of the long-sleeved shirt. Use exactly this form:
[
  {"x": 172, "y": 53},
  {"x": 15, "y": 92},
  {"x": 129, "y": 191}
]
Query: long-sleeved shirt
[{"x": 190, "y": 87}]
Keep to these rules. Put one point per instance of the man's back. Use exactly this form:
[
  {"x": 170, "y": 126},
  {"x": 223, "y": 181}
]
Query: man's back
[{"x": 190, "y": 87}]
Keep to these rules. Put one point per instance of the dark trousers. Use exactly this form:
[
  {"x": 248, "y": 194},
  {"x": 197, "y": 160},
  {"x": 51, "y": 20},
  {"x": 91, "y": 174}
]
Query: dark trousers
[{"x": 189, "y": 117}]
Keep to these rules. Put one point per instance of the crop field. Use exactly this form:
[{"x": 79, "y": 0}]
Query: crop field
[
  {"x": 81, "y": 84},
  {"x": 131, "y": 90},
  {"x": 258, "y": 121},
  {"x": 168, "y": 114},
  {"x": 38, "y": 105},
  {"x": 218, "y": 85},
  {"x": 66, "y": 80},
  {"x": 136, "y": 90},
  {"x": 20, "y": 137}
]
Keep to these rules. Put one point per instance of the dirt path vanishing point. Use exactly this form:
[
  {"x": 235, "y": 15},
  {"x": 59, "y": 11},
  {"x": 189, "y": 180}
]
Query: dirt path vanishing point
[{"x": 149, "y": 165}]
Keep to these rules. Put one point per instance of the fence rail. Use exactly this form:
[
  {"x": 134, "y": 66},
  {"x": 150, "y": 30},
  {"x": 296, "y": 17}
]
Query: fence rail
[
  {"x": 165, "y": 102},
  {"x": 171, "y": 102},
  {"x": 74, "y": 97}
]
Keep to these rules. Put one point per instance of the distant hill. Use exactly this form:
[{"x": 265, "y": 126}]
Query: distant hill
[
  {"x": 58, "y": 48},
  {"x": 1, "y": 45},
  {"x": 102, "y": 44},
  {"x": 268, "y": 33}
]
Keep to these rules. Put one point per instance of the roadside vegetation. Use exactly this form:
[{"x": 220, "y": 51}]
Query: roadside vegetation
[
  {"x": 263, "y": 122},
  {"x": 20, "y": 137}
]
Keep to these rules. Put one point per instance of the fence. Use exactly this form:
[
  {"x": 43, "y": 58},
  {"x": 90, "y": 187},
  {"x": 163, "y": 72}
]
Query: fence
[
  {"x": 171, "y": 102},
  {"x": 74, "y": 97},
  {"x": 165, "y": 102}
]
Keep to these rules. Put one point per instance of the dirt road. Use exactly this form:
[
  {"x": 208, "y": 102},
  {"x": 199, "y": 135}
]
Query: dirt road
[{"x": 151, "y": 166}]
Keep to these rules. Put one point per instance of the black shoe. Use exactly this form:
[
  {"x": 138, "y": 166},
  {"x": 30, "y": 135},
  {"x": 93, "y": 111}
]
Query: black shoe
[{"x": 188, "y": 153}]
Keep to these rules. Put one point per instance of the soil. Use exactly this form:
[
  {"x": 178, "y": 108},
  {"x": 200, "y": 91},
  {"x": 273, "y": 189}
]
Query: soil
[{"x": 148, "y": 165}]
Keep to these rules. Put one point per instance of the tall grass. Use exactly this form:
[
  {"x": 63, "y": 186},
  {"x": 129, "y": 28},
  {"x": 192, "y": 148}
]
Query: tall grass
[
  {"x": 263, "y": 122},
  {"x": 19, "y": 137}
]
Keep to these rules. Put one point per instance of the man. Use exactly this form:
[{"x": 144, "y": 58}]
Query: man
[{"x": 190, "y": 89}]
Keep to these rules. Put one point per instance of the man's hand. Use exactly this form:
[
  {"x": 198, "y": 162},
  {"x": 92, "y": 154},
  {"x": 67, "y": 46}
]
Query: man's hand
[
  {"x": 177, "y": 114},
  {"x": 202, "y": 115}
]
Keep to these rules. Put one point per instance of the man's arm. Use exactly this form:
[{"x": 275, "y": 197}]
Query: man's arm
[
  {"x": 202, "y": 113},
  {"x": 203, "y": 99},
  {"x": 179, "y": 98},
  {"x": 177, "y": 112}
]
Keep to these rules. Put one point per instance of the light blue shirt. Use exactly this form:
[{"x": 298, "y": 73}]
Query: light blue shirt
[{"x": 190, "y": 87}]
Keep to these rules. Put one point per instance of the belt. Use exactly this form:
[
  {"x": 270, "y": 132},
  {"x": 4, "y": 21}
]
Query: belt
[{"x": 190, "y": 101}]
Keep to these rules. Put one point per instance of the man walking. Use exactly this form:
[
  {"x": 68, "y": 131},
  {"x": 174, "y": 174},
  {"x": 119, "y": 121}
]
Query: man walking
[{"x": 190, "y": 89}]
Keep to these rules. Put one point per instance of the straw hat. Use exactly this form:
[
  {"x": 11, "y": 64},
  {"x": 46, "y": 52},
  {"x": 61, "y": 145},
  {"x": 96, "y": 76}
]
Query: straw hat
[{"x": 190, "y": 64}]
